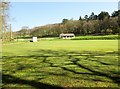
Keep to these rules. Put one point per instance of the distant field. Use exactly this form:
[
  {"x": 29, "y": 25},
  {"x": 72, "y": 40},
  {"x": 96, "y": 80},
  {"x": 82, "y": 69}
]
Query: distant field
[
  {"x": 104, "y": 37},
  {"x": 61, "y": 63}
]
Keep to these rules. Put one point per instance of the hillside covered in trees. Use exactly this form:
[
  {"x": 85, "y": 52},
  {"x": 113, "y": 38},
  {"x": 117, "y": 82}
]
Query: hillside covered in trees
[{"x": 101, "y": 24}]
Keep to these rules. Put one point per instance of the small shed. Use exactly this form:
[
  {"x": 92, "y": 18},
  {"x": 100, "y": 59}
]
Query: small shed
[
  {"x": 67, "y": 36},
  {"x": 34, "y": 39}
]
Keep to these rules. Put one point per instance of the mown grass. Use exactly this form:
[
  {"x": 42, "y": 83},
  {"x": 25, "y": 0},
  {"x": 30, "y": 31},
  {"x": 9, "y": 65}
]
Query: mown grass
[
  {"x": 105, "y": 37},
  {"x": 61, "y": 64}
]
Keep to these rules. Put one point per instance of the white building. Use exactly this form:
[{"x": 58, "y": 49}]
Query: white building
[{"x": 67, "y": 36}]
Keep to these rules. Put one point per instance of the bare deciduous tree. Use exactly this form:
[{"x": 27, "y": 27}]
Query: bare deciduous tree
[{"x": 4, "y": 28}]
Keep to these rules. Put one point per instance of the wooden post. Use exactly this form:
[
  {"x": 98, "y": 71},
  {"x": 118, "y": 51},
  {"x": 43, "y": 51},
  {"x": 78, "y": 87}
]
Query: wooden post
[
  {"x": 10, "y": 32},
  {"x": 1, "y": 20},
  {"x": 0, "y": 23}
]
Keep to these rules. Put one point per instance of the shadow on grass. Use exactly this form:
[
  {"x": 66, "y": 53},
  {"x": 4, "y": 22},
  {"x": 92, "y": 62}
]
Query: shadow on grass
[
  {"x": 116, "y": 78},
  {"x": 9, "y": 79},
  {"x": 72, "y": 58}
]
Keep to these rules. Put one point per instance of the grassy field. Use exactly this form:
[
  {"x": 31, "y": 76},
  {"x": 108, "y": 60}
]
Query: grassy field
[
  {"x": 61, "y": 64},
  {"x": 87, "y": 37},
  {"x": 104, "y": 37}
]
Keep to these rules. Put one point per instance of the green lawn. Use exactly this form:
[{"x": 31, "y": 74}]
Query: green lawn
[
  {"x": 61, "y": 63},
  {"x": 104, "y": 37}
]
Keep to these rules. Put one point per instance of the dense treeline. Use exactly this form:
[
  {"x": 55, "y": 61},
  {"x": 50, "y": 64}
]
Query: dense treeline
[{"x": 101, "y": 24}]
